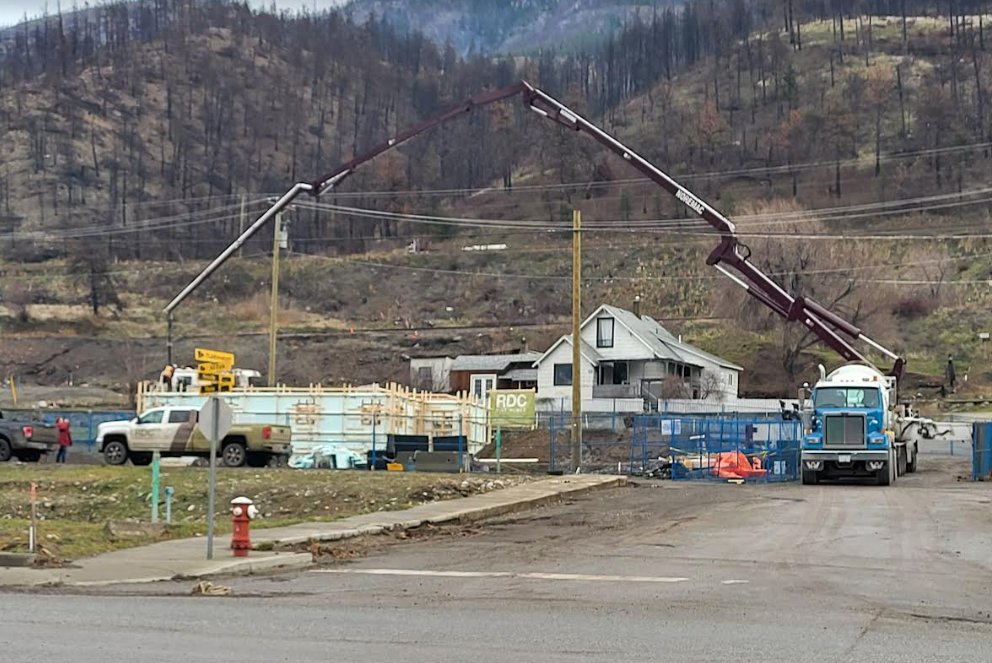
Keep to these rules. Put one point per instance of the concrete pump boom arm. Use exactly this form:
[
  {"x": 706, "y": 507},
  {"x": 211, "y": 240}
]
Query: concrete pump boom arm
[{"x": 730, "y": 252}]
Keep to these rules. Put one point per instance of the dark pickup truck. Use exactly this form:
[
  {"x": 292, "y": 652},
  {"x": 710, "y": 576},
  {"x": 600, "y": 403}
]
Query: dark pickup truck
[{"x": 26, "y": 440}]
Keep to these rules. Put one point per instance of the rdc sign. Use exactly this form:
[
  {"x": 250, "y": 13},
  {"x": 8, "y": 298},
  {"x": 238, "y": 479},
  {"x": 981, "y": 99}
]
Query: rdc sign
[{"x": 512, "y": 408}]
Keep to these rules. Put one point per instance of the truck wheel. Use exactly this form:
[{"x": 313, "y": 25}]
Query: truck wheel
[
  {"x": 883, "y": 477},
  {"x": 115, "y": 452},
  {"x": 810, "y": 478},
  {"x": 5, "y": 450},
  {"x": 29, "y": 456},
  {"x": 911, "y": 465},
  {"x": 234, "y": 454},
  {"x": 886, "y": 475}
]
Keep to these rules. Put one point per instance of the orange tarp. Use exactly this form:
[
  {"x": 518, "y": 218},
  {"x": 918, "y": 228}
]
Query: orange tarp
[{"x": 735, "y": 465}]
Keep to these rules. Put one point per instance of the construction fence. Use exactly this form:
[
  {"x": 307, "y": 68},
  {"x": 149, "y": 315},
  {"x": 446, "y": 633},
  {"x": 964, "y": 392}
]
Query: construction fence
[
  {"x": 82, "y": 423},
  {"x": 680, "y": 447},
  {"x": 981, "y": 463}
]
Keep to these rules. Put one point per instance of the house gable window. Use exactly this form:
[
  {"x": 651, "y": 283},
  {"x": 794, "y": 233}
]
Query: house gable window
[
  {"x": 563, "y": 375},
  {"x": 425, "y": 377},
  {"x": 604, "y": 332}
]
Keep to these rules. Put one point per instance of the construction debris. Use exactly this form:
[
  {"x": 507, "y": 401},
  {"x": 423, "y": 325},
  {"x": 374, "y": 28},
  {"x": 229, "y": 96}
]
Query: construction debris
[{"x": 207, "y": 588}]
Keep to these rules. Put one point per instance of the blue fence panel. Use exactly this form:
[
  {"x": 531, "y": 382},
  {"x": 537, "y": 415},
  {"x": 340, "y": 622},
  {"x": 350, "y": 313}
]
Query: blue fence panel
[
  {"x": 83, "y": 423},
  {"x": 981, "y": 462},
  {"x": 680, "y": 446},
  {"x": 717, "y": 448}
]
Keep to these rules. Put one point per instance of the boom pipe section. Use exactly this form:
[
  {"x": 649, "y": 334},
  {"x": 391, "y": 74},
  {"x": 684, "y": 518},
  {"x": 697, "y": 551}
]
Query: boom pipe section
[{"x": 730, "y": 251}]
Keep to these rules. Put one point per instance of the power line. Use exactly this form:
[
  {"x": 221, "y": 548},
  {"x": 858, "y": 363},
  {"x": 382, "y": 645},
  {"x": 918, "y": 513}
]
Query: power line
[{"x": 809, "y": 165}]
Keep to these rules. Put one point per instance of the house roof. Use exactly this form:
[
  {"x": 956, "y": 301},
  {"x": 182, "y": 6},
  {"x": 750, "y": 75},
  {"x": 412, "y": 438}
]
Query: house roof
[
  {"x": 661, "y": 342},
  {"x": 586, "y": 350},
  {"x": 496, "y": 363},
  {"x": 521, "y": 375}
]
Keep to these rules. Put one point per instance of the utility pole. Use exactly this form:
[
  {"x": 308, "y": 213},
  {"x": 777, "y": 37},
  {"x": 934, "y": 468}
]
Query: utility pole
[
  {"x": 168, "y": 342},
  {"x": 576, "y": 341},
  {"x": 277, "y": 240}
]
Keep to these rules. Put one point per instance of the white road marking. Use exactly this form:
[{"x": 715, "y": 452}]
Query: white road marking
[
  {"x": 502, "y": 574},
  {"x": 735, "y": 582}
]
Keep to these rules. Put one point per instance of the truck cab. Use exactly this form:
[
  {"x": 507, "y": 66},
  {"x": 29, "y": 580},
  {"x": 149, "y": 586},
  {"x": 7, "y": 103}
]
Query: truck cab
[{"x": 850, "y": 432}]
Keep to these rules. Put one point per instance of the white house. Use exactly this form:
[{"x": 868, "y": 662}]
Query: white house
[{"x": 630, "y": 362}]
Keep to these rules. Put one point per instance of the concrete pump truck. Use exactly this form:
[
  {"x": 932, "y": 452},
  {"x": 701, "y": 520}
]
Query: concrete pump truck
[{"x": 853, "y": 427}]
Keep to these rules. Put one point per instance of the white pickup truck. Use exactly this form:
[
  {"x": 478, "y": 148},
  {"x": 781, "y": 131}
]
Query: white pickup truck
[{"x": 172, "y": 431}]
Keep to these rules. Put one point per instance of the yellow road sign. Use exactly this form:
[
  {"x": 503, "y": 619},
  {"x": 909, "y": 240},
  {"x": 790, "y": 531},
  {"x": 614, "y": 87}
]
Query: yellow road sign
[
  {"x": 205, "y": 356},
  {"x": 218, "y": 377},
  {"x": 224, "y": 384},
  {"x": 213, "y": 368}
]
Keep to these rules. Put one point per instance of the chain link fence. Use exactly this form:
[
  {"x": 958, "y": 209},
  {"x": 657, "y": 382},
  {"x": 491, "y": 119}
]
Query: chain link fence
[{"x": 679, "y": 447}]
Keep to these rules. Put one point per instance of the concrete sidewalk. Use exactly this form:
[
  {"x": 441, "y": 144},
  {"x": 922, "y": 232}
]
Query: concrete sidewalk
[{"x": 186, "y": 558}]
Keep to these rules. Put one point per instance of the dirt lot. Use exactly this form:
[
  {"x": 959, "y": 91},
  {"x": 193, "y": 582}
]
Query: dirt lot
[{"x": 86, "y": 510}]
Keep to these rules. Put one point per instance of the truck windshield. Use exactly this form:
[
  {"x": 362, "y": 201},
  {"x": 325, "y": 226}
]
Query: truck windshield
[{"x": 846, "y": 397}]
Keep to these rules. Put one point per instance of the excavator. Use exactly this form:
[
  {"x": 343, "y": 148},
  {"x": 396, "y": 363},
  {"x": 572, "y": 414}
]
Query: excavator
[{"x": 731, "y": 256}]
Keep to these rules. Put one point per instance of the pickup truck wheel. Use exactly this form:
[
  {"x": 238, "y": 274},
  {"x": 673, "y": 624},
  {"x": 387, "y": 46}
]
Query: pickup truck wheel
[
  {"x": 115, "y": 453},
  {"x": 29, "y": 456},
  {"x": 234, "y": 454},
  {"x": 5, "y": 451}
]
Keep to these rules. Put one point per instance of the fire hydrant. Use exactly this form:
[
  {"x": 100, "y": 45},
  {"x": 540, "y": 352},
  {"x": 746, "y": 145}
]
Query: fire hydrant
[{"x": 242, "y": 513}]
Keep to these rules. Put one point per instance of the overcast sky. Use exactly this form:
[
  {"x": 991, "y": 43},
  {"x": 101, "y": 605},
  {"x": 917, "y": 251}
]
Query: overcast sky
[{"x": 12, "y": 11}]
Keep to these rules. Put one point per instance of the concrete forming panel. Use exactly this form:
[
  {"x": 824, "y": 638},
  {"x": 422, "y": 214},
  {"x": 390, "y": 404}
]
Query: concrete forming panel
[{"x": 351, "y": 417}]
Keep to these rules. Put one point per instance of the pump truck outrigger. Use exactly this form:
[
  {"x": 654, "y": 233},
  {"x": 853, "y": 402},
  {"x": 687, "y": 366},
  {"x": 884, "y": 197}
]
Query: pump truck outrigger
[{"x": 730, "y": 254}]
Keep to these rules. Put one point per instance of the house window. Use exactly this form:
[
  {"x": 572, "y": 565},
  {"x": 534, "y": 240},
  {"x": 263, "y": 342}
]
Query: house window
[
  {"x": 482, "y": 385},
  {"x": 563, "y": 375},
  {"x": 604, "y": 333},
  {"x": 425, "y": 377},
  {"x": 614, "y": 373}
]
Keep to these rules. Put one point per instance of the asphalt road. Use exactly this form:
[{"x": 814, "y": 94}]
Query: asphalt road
[{"x": 658, "y": 572}]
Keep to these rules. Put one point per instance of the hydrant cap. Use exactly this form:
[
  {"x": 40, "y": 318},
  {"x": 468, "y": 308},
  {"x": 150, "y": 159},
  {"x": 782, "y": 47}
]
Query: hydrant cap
[{"x": 241, "y": 500}]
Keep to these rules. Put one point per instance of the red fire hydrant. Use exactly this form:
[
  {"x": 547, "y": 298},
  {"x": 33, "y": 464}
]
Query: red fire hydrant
[{"x": 242, "y": 512}]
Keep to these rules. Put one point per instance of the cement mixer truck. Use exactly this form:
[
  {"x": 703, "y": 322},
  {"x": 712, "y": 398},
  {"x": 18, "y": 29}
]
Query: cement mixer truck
[{"x": 855, "y": 429}]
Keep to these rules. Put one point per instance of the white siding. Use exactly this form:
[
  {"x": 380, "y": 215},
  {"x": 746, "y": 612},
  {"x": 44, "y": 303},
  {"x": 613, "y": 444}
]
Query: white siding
[
  {"x": 723, "y": 385},
  {"x": 440, "y": 372},
  {"x": 546, "y": 387},
  {"x": 625, "y": 344},
  {"x": 655, "y": 370}
]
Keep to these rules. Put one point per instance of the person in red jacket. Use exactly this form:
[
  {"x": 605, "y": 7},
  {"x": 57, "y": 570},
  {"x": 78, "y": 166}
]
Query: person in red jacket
[{"x": 65, "y": 439}]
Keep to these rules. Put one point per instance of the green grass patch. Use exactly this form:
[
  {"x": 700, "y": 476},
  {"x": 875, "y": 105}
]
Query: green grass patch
[{"x": 76, "y": 503}]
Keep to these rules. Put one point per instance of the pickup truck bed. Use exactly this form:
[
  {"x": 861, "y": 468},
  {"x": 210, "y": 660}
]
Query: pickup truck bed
[{"x": 26, "y": 440}]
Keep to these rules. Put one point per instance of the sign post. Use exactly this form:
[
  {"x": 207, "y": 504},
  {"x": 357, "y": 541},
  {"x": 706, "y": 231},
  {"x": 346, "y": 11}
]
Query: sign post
[
  {"x": 214, "y": 421},
  {"x": 156, "y": 456},
  {"x": 499, "y": 448}
]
